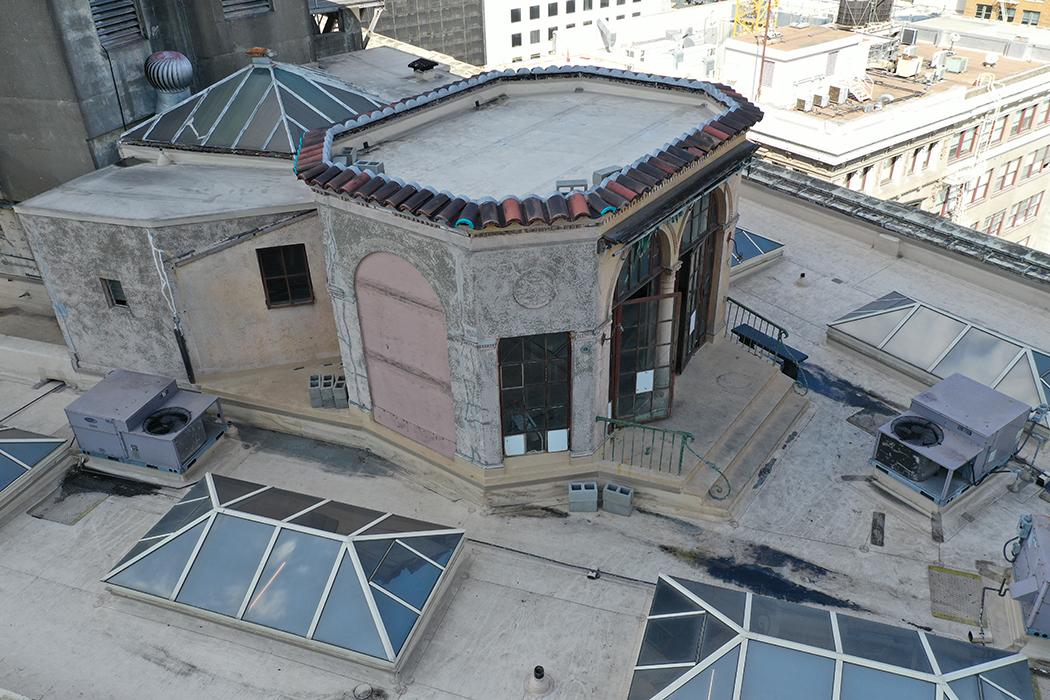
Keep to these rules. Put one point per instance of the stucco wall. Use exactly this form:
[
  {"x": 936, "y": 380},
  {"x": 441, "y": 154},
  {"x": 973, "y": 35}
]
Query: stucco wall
[
  {"x": 223, "y": 306},
  {"x": 74, "y": 255}
]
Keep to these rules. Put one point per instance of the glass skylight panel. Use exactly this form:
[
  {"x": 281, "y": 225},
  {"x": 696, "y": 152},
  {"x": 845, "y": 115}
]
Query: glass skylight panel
[
  {"x": 398, "y": 523},
  {"x": 313, "y": 95},
  {"x": 975, "y": 688},
  {"x": 728, "y": 602},
  {"x": 748, "y": 245},
  {"x": 1015, "y": 678},
  {"x": 671, "y": 640},
  {"x": 245, "y": 560},
  {"x": 885, "y": 643},
  {"x": 241, "y": 109},
  {"x": 716, "y": 682},
  {"x": 1020, "y": 383},
  {"x": 20, "y": 451},
  {"x": 979, "y": 355},
  {"x": 924, "y": 337},
  {"x": 215, "y": 99},
  {"x": 776, "y": 672},
  {"x": 791, "y": 621},
  {"x": 893, "y": 300},
  {"x": 861, "y": 683},
  {"x": 953, "y": 655},
  {"x": 9, "y": 471},
  {"x": 669, "y": 599},
  {"x": 874, "y": 329},
  {"x": 266, "y": 119},
  {"x": 304, "y": 114},
  {"x": 646, "y": 683},
  {"x": 290, "y": 587},
  {"x": 1042, "y": 365}
]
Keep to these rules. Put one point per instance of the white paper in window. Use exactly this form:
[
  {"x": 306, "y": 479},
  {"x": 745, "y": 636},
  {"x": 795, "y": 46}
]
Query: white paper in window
[
  {"x": 643, "y": 381},
  {"x": 513, "y": 445},
  {"x": 557, "y": 440},
  {"x": 692, "y": 321}
]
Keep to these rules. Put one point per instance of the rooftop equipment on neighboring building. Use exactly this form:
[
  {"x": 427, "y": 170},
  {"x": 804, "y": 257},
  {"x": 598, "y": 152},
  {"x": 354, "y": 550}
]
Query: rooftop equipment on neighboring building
[
  {"x": 145, "y": 420},
  {"x": 956, "y": 64},
  {"x": 954, "y": 435},
  {"x": 1030, "y": 553},
  {"x": 858, "y": 13},
  {"x": 171, "y": 74}
]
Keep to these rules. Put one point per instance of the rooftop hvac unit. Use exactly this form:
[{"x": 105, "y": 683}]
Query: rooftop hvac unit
[
  {"x": 1031, "y": 573},
  {"x": 145, "y": 420},
  {"x": 838, "y": 94},
  {"x": 956, "y": 64},
  {"x": 821, "y": 99},
  {"x": 954, "y": 435},
  {"x": 804, "y": 104},
  {"x": 908, "y": 67},
  {"x": 939, "y": 58}
]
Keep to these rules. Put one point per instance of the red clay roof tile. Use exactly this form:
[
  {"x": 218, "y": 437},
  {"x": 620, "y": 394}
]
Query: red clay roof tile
[
  {"x": 718, "y": 134},
  {"x": 639, "y": 176},
  {"x": 598, "y": 204},
  {"x": 385, "y": 191},
  {"x": 614, "y": 186},
  {"x": 369, "y": 187},
  {"x": 356, "y": 183},
  {"x": 611, "y": 197},
  {"x": 470, "y": 216},
  {"x": 434, "y": 205},
  {"x": 511, "y": 209},
  {"x": 339, "y": 180},
  {"x": 578, "y": 205},
  {"x": 399, "y": 197}
]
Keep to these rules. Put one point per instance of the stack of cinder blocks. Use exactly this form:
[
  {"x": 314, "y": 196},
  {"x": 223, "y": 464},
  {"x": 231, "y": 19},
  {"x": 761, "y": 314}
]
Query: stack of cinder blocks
[
  {"x": 328, "y": 391},
  {"x": 583, "y": 498}
]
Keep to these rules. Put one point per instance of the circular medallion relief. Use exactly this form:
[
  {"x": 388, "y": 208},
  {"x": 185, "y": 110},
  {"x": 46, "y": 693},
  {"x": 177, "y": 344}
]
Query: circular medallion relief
[{"x": 534, "y": 289}]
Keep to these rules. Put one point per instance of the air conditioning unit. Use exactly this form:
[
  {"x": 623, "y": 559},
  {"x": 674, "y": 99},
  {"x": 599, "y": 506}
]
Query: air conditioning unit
[
  {"x": 804, "y": 104},
  {"x": 821, "y": 99},
  {"x": 954, "y": 434},
  {"x": 909, "y": 51},
  {"x": 1031, "y": 573},
  {"x": 145, "y": 420},
  {"x": 838, "y": 94},
  {"x": 909, "y": 37},
  {"x": 908, "y": 67},
  {"x": 956, "y": 64},
  {"x": 939, "y": 58}
]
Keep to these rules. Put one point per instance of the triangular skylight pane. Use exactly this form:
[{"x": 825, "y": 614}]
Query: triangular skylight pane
[
  {"x": 671, "y": 640},
  {"x": 873, "y": 329},
  {"x": 370, "y": 553},
  {"x": 8, "y": 434},
  {"x": 169, "y": 123},
  {"x": 669, "y": 599},
  {"x": 262, "y": 124},
  {"x": 716, "y": 634},
  {"x": 346, "y": 620},
  {"x": 30, "y": 453},
  {"x": 139, "y": 131},
  {"x": 880, "y": 642},
  {"x": 953, "y": 655},
  {"x": 715, "y": 682},
  {"x": 278, "y": 143},
  {"x": 764, "y": 244},
  {"x": 194, "y": 504},
  {"x": 890, "y": 301},
  {"x": 407, "y": 576},
  {"x": 302, "y": 114},
  {"x": 159, "y": 571},
  {"x": 313, "y": 95},
  {"x": 648, "y": 682},
  {"x": 1015, "y": 678},
  {"x": 228, "y": 489},
  {"x": 744, "y": 249},
  {"x": 397, "y": 619},
  {"x": 240, "y": 109},
  {"x": 212, "y": 104},
  {"x": 358, "y": 103},
  {"x": 1019, "y": 383},
  {"x": 398, "y": 523},
  {"x": 1042, "y": 364},
  {"x": 276, "y": 503},
  {"x": 728, "y": 602},
  {"x": 438, "y": 548},
  {"x": 339, "y": 518},
  {"x": 9, "y": 471}
]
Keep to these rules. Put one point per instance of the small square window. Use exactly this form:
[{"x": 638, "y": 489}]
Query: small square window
[
  {"x": 570, "y": 25},
  {"x": 570, "y": 6},
  {"x": 285, "y": 275},
  {"x": 588, "y": 5},
  {"x": 515, "y": 14},
  {"x": 621, "y": 2},
  {"x": 517, "y": 59},
  {"x": 603, "y": 3},
  {"x": 515, "y": 39},
  {"x": 534, "y": 36},
  {"x": 114, "y": 292},
  {"x": 552, "y": 9},
  {"x": 588, "y": 23},
  {"x": 534, "y": 12}
]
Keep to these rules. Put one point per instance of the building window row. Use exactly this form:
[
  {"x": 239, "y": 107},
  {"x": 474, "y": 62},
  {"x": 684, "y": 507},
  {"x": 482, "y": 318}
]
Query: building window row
[
  {"x": 1026, "y": 210},
  {"x": 1028, "y": 118},
  {"x": 554, "y": 8}
]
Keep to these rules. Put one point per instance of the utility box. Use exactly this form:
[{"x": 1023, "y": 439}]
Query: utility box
[
  {"x": 617, "y": 499},
  {"x": 1031, "y": 573},
  {"x": 583, "y": 496}
]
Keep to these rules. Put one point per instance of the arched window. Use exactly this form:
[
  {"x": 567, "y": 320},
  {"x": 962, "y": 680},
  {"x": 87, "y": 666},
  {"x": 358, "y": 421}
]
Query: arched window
[{"x": 641, "y": 266}]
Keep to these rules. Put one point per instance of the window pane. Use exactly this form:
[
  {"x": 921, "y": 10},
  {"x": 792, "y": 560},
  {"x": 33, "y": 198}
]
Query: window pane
[
  {"x": 438, "y": 548},
  {"x": 165, "y": 128},
  {"x": 647, "y": 683},
  {"x": 262, "y": 124},
  {"x": 953, "y": 655},
  {"x": 241, "y": 109},
  {"x": 299, "y": 287},
  {"x": 194, "y": 504},
  {"x": 277, "y": 291},
  {"x": 294, "y": 258},
  {"x": 302, "y": 114},
  {"x": 726, "y": 601},
  {"x": 979, "y": 355},
  {"x": 370, "y": 553},
  {"x": 714, "y": 683},
  {"x": 885, "y": 643},
  {"x": 860, "y": 683},
  {"x": 228, "y": 489},
  {"x": 276, "y": 503},
  {"x": 346, "y": 620},
  {"x": 1019, "y": 383},
  {"x": 1015, "y": 678},
  {"x": 289, "y": 590},
  {"x": 210, "y": 107},
  {"x": 775, "y": 672},
  {"x": 159, "y": 571},
  {"x": 339, "y": 518},
  {"x": 407, "y": 576},
  {"x": 397, "y": 619},
  {"x": 873, "y": 329},
  {"x": 671, "y": 640},
  {"x": 270, "y": 261},
  {"x": 225, "y": 565},
  {"x": 924, "y": 337},
  {"x": 313, "y": 95},
  {"x": 793, "y": 622}
]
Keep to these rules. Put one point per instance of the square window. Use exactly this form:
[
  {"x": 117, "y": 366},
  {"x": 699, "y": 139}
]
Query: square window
[
  {"x": 552, "y": 9},
  {"x": 532, "y": 415},
  {"x": 603, "y": 3},
  {"x": 570, "y": 6},
  {"x": 984, "y": 12},
  {"x": 619, "y": 17},
  {"x": 1030, "y": 18},
  {"x": 514, "y": 445},
  {"x": 515, "y": 14},
  {"x": 114, "y": 292},
  {"x": 636, "y": 14},
  {"x": 515, "y": 39},
  {"x": 557, "y": 440},
  {"x": 534, "y": 37},
  {"x": 534, "y": 12},
  {"x": 588, "y": 5},
  {"x": 285, "y": 275}
]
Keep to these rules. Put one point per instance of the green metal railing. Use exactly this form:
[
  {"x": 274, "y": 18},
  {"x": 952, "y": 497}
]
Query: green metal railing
[{"x": 659, "y": 449}]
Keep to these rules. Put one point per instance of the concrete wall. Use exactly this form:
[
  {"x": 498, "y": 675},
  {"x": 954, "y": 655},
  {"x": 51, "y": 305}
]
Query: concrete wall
[
  {"x": 74, "y": 255},
  {"x": 453, "y": 27},
  {"x": 216, "y": 45},
  {"x": 16, "y": 257},
  {"x": 223, "y": 306}
]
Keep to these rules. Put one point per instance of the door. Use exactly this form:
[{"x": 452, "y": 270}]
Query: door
[
  {"x": 406, "y": 352},
  {"x": 643, "y": 353},
  {"x": 695, "y": 283}
]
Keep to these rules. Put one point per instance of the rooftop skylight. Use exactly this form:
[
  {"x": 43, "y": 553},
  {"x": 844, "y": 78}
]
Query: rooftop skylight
[
  {"x": 353, "y": 579},
  {"x": 264, "y": 107},
  {"x": 704, "y": 641},
  {"x": 20, "y": 451},
  {"x": 748, "y": 246},
  {"x": 939, "y": 343}
]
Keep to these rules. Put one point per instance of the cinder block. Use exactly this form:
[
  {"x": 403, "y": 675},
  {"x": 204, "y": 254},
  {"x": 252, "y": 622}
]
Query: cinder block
[
  {"x": 583, "y": 496},
  {"x": 315, "y": 390},
  {"x": 617, "y": 499},
  {"x": 339, "y": 393},
  {"x": 327, "y": 394}
]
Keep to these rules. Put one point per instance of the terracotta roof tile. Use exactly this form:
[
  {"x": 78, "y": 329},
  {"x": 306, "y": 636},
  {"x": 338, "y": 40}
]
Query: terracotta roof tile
[{"x": 315, "y": 166}]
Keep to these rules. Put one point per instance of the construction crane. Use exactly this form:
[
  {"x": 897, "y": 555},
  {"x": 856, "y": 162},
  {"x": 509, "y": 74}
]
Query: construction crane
[{"x": 755, "y": 17}]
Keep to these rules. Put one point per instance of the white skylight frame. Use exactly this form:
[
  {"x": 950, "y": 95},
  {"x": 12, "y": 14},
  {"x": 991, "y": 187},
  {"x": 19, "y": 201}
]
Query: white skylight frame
[
  {"x": 744, "y": 635},
  {"x": 24, "y": 438},
  {"x": 209, "y": 518}
]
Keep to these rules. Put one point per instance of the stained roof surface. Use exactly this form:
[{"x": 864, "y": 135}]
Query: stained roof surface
[
  {"x": 561, "y": 136},
  {"x": 20, "y": 451},
  {"x": 341, "y": 575},
  {"x": 265, "y": 108},
  {"x": 942, "y": 344},
  {"x": 704, "y": 641}
]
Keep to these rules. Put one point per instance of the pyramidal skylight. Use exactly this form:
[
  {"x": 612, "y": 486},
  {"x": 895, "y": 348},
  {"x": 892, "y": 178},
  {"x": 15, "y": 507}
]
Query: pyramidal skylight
[
  {"x": 264, "y": 107},
  {"x": 940, "y": 344},
  {"x": 355, "y": 580},
  {"x": 20, "y": 451},
  {"x": 704, "y": 641}
]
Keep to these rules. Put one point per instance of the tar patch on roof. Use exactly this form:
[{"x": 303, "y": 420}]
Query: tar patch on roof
[
  {"x": 355, "y": 580},
  {"x": 265, "y": 108},
  {"x": 697, "y": 645}
]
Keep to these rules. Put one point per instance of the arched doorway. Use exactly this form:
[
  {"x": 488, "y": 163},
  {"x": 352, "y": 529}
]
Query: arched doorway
[
  {"x": 405, "y": 344},
  {"x": 696, "y": 279},
  {"x": 644, "y": 335}
]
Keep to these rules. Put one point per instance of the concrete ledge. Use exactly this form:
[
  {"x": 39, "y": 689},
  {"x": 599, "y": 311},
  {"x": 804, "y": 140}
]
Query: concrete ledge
[{"x": 32, "y": 360}]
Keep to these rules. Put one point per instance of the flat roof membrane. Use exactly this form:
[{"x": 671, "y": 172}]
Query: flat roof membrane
[
  {"x": 697, "y": 644},
  {"x": 355, "y": 579}
]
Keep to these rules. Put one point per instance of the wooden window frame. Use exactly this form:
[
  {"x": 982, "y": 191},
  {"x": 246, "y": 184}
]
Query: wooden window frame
[{"x": 260, "y": 252}]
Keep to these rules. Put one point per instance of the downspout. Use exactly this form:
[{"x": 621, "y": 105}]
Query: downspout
[{"x": 169, "y": 297}]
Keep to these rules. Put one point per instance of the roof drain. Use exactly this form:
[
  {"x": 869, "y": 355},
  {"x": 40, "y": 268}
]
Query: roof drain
[{"x": 538, "y": 683}]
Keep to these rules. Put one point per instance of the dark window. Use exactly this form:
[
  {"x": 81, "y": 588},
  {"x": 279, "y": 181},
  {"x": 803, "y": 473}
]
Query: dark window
[
  {"x": 621, "y": 2},
  {"x": 534, "y": 12},
  {"x": 1030, "y": 17},
  {"x": 603, "y": 3},
  {"x": 551, "y": 31},
  {"x": 1011, "y": 12},
  {"x": 570, "y": 25},
  {"x": 515, "y": 39},
  {"x": 636, "y": 14},
  {"x": 114, "y": 291},
  {"x": 534, "y": 393},
  {"x": 570, "y": 6},
  {"x": 552, "y": 9},
  {"x": 701, "y": 220},
  {"x": 984, "y": 12},
  {"x": 232, "y": 9},
  {"x": 534, "y": 36},
  {"x": 588, "y": 5},
  {"x": 619, "y": 17},
  {"x": 534, "y": 56},
  {"x": 641, "y": 267},
  {"x": 515, "y": 15},
  {"x": 285, "y": 275},
  {"x": 116, "y": 21}
]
